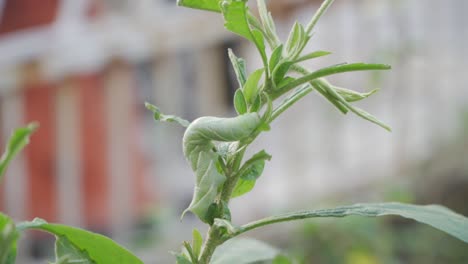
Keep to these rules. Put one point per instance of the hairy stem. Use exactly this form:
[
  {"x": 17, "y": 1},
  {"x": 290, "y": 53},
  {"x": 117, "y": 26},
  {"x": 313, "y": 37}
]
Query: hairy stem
[
  {"x": 325, "y": 5},
  {"x": 214, "y": 237},
  {"x": 336, "y": 212}
]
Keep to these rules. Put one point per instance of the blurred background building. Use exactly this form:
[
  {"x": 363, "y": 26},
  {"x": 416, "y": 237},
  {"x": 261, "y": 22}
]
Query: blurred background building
[{"x": 83, "y": 69}]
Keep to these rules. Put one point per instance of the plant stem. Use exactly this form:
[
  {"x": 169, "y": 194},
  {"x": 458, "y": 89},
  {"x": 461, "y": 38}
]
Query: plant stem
[
  {"x": 214, "y": 237},
  {"x": 213, "y": 240},
  {"x": 336, "y": 212},
  {"x": 317, "y": 15}
]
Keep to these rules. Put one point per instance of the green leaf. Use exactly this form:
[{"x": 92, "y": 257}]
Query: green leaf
[
  {"x": 8, "y": 237},
  {"x": 239, "y": 68},
  {"x": 243, "y": 251},
  {"x": 325, "y": 72},
  {"x": 236, "y": 21},
  {"x": 158, "y": 116},
  {"x": 436, "y": 216},
  {"x": 256, "y": 105},
  {"x": 353, "y": 96},
  {"x": 67, "y": 253},
  {"x": 275, "y": 57},
  {"x": 99, "y": 248},
  {"x": 286, "y": 80},
  {"x": 242, "y": 187},
  {"x": 189, "y": 251},
  {"x": 197, "y": 242},
  {"x": 17, "y": 141},
  {"x": 312, "y": 55},
  {"x": 296, "y": 41},
  {"x": 249, "y": 173},
  {"x": 327, "y": 87},
  {"x": 239, "y": 102},
  {"x": 250, "y": 88},
  {"x": 181, "y": 259},
  {"x": 210, "y": 5},
  {"x": 268, "y": 24},
  {"x": 280, "y": 71}
]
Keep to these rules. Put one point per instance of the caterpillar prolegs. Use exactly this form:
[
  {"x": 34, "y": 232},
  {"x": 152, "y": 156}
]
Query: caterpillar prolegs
[{"x": 198, "y": 146}]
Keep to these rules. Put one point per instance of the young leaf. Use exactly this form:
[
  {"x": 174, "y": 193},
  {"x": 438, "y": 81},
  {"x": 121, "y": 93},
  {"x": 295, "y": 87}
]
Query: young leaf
[
  {"x": 436, "y": 216},
  {"x": 189, "y": 251},
  {"x": 158, "y": 116},
  {"x": 353, "y": 96},
  {"x": 275, "y": 57},
  {"x": 8, "y": 237},
  {"x": 239, "y": 68},
  {"x": 242, "y": 187},
  {"x": 250, "y": 88},
  {"x": 327, "y": 87},
  {"x": 243, "y": 251},
  {"x": 239, "y": 102},
  {"x": 296, "y": 41},
  {"x": 236, "y": 21},
  {"x": 181, "y": 259},
  {"x": 249, "y": 173},
  {"x": 256, "y": 105},
  {"x": 17, "y": 141},
  {"x": 312, "y": 55},
  {"x": 280, "y": 71},
  {"x": 268, "y": 24},
  {"x": 210, "y": 5},
  {"x": 99, "y": 248},
  {"x": 197, "y": 242}
]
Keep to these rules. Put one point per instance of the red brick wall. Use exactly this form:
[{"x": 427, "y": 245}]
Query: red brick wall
[{"x": 24, "y": 14}]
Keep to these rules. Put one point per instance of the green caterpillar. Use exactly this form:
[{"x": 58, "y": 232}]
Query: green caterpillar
[{"x": 199, "y": 151}]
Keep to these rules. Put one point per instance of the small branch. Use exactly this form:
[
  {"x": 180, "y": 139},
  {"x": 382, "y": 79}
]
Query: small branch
[
  {"x": 337, "y": 212},
  {"x": 323, "y": 8}
]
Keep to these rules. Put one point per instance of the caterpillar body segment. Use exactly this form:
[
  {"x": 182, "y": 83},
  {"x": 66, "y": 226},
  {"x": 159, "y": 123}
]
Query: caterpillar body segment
[{"x": 198, "y": 147}]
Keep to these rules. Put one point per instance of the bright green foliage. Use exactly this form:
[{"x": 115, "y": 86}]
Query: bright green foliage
[
  {"x": 197, "y": 243},
  {"x": 8, "y": 237},
  {"x": 239, "y": 102},
  {"x": 243, "y": 251},
  {"x": 296, "y": 42},
  {"x": 236, "y": 20},
  {"x": 249, "y": 173},
  {"x": 18, "y": 140},
  {"x": 198, "y": 149},
  {"x": 80, "y": 243},
  {"x": 210, "y": 5},
  {"x": 251, "y": 89}
]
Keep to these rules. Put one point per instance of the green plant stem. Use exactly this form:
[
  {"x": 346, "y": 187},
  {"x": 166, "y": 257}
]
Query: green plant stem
[
  {"x": 337, "y": 212},
  {"x": 290, "y": 101},
  {"x": 323, "y": 8},
  {"x": 213, "y": 240},
  {"x": 214, "y": 237}
]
